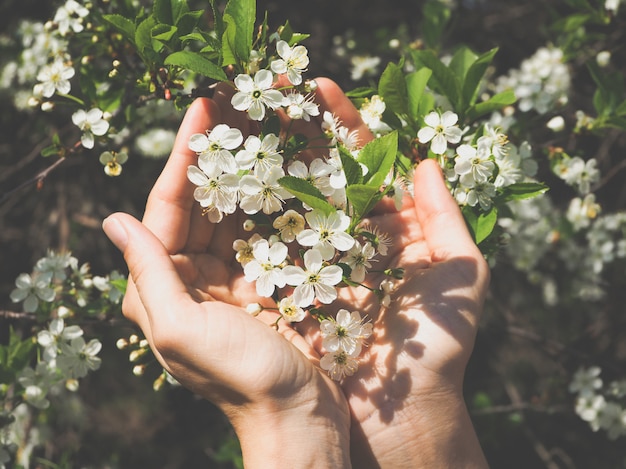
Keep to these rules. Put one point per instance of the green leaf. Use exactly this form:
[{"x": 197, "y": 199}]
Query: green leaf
[
  {"x": 361, "y": 92},
  {"x": 188, "y": 21},
  {"x": 162, "y": 11},
  {"x": 474, "y": 75},
  {"x": 164, "y": 32},
  {"x": 379, "y": 156},
  {"x": 351, "y": 168},
  {"x": 443, "y": 80},
  {"x": 306, "y": 192},
  {"x": 363, "y": 198},
  {"x": 461, "y": 61},
  {"x": 243, "y": 15},
  {"x": 522, "y": 190},
  {"x": 392, "y": 88},
  {"x": 123, "y": 25},
  {"x": 229, "y": 52},
  {"x": 416, "y": 84},
  {"x": 196, "y": 63},
  {"x": 480, "y": 225},
  {"x": 143, "y": 40},
  {"x": 496, "y": 102}
]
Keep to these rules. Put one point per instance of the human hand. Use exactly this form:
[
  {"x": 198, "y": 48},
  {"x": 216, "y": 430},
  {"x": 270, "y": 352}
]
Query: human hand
[
  {"x": 410, "y": 379},
  {"x": 188, "y": 295}
]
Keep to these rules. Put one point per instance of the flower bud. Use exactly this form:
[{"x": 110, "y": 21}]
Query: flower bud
[
  {"x": 136, "y": 354},
  {"x": 133, "y": 339},
  {"x": 158, "y": 383},
  {"x": 47, "y": 106},
  {"x": 556, "y": 124},
  {"x": 121, "y": 344},
  {"x": 603, "y": 58},
  {"x": 72, "y": 385},
  {"x": 273, "y": 239},
  {"x": 254, "y": 309},
  {"x": 138, "y": 370},
  {"x": 64, "y": 312},
  {"x": 249, "y": 225}
]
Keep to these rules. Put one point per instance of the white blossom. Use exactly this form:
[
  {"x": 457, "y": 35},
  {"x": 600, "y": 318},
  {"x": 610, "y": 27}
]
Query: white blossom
[
  {"x": 265, "y": 267},
  {"x": 55, "y": 77},
  {"x": 256, "y": 94},
  {"x": 92, "y": 124},
  {"x": 259, "y": 154},
  {"x": 339, "y": 364},
  {"x": 440, "y": 130},
  {"x": 293, "y": 61},
  {"x": 297, "y": 106},
  {"x": 358, "y": 258},
  {"x": 345, "y": 333},
  {"x": 263, "y": 192},
  {"x": 326, "y": 232},
  {"x": 31, "y": 290},
  {"x": 214, "y": 147},
  {"x": 315, "y": 281}
]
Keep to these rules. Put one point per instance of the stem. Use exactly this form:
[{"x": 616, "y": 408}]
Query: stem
[{"x": 37, "y": 179}]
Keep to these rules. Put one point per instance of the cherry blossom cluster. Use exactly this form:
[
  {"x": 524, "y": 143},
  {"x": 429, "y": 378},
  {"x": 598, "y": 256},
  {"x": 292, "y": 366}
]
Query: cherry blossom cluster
[
  {"x": 300, "y": 255},
  {"x": 603, "y": 407},
  {"x": 476, "y": 165},
  {"x": 64, "y": 355}
]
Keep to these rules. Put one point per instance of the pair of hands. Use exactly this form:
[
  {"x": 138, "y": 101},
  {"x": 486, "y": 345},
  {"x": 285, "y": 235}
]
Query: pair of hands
[{"x": 404, "y": 406}]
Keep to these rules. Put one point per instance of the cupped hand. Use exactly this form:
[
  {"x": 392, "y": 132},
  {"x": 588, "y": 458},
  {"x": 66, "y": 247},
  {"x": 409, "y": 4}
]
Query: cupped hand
[{"x": 187, "y": 294}]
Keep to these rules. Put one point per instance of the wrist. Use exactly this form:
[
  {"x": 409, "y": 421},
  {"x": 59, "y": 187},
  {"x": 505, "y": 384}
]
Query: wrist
[
  {"x": 442, "y": 435},
  {"x": 299, "y": 432}
]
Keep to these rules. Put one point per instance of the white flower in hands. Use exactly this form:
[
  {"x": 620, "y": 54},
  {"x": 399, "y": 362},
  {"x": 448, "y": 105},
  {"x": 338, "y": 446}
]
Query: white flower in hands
[
  {"x": 290, "y": 311},
  {"x": 289, "y": 224},
  {"x": 78, "y": 357},
  {"x": 293, "y": 61},
  {"x": 262, "y": 192},
  {"x": 314, "y": 281},
  {"x": 265, "y": 267},
  {"x": 245, "y": 249},
  {"x": 345, "y": 333},
  {"x": 91, "y": 123},
  {"x": 216, "y": 190},
  {"x": 215, "y": 146},
  {"x": 474, "y": 163},
  {"x": 259, "y": 154},
  {"x": 440, "y": 129},
  {"x": 317, "y": 174},
  {"x": 339, "y": 364},
  {"x": 299, "y": 106},
  {"x": 327, "y": 233},
  {"x": 358, "y": 258},
  {"x": 256, "y": 94}
]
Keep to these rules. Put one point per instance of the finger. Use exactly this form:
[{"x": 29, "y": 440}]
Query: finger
[
  {"x": 169, "y": 207},
  {"x": 441, "y": 221}
]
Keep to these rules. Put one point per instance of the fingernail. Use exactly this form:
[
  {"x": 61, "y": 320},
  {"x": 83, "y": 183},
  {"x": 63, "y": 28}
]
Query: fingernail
[{"x": 116, "y": 232}]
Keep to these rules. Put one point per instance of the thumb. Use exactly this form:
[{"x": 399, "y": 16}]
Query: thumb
[{"x": 159, "y": 286}]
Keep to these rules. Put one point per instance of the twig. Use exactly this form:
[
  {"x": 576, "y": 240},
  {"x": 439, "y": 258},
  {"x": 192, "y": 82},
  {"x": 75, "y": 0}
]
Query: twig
[
  {"x": 521, "y": 406},
  {"x": 37, "y": 179},
  {"x": 17, "y": 315},
  {"x": 543, "y": 452}
]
